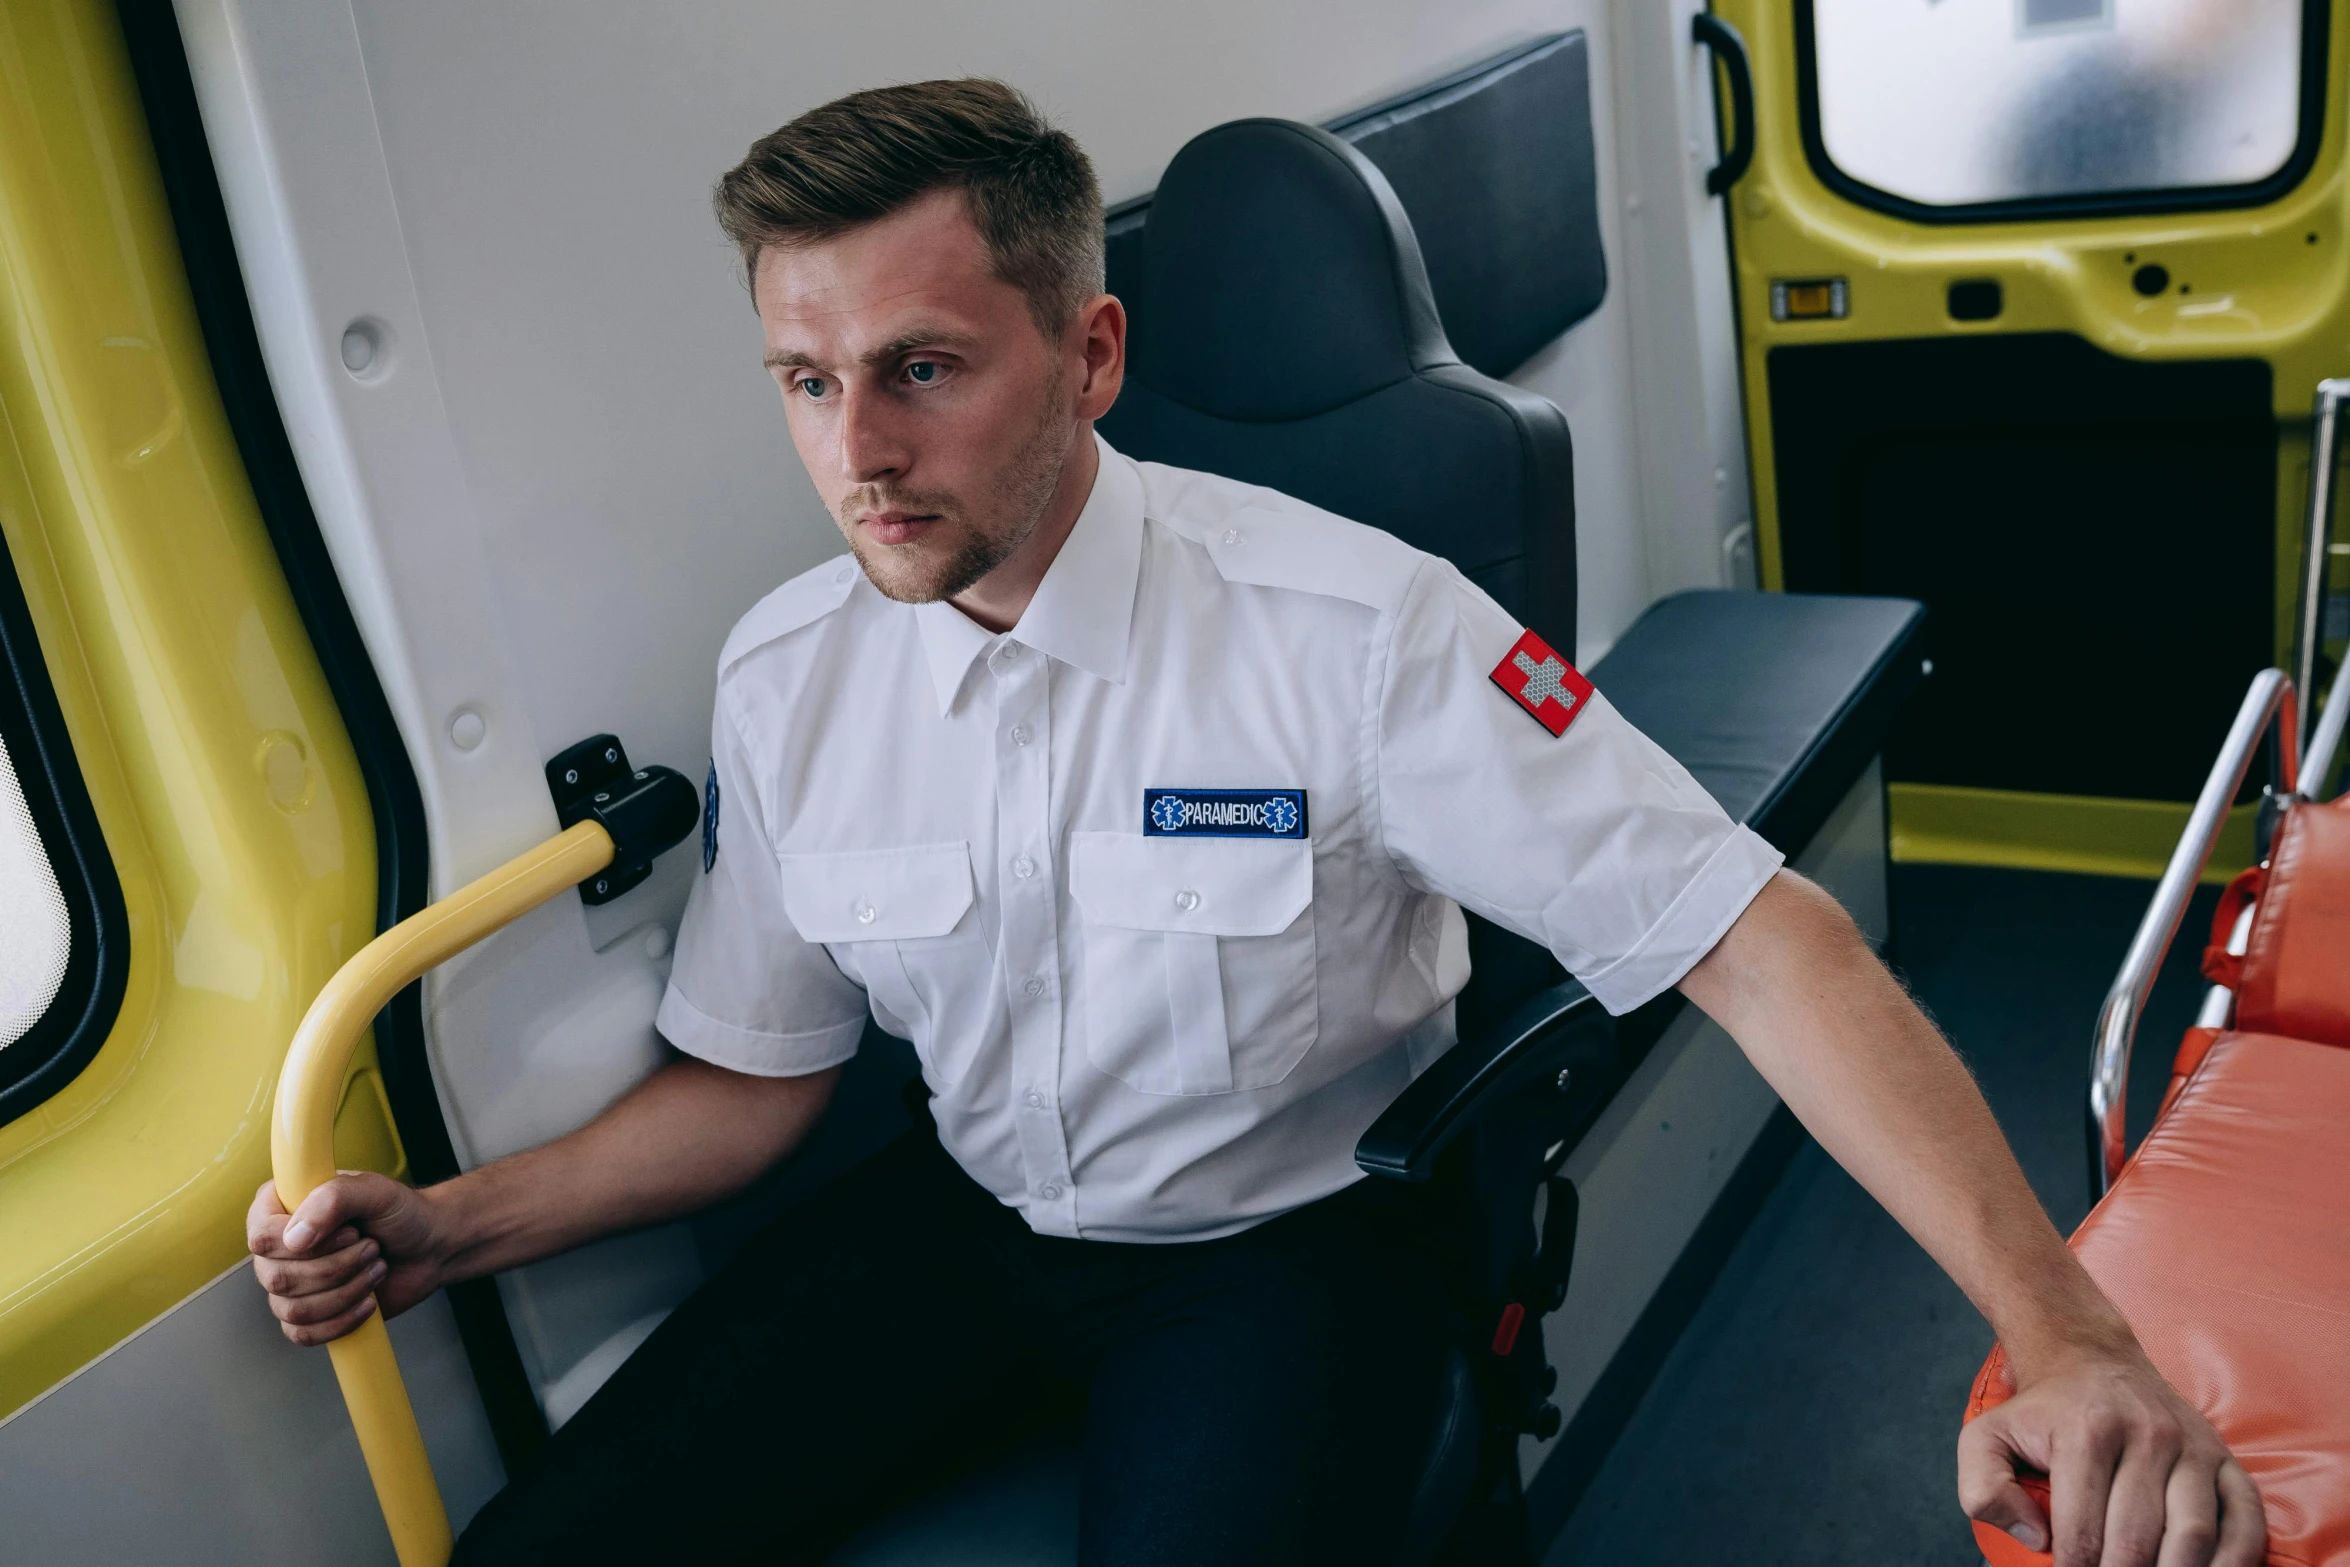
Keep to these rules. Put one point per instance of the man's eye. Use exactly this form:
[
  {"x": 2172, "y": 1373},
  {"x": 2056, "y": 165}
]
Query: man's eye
[
  {"x": 922, "y": 372},
  {"x": 811, "y": 388}
]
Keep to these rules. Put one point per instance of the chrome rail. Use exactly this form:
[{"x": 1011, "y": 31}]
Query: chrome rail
[{"x": 2268, "y": 706}]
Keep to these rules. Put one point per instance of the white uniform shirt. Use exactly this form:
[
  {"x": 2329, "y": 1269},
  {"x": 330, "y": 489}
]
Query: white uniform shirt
[{"x": 1141, "y": 1034}]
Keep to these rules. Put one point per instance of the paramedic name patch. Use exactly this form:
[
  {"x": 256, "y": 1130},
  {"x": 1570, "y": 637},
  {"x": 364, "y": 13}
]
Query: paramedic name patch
[
  {"x": 1223, "y": 813},
  {"x": 710, "y": 819},
  {"x": 1543, "y": 683}
]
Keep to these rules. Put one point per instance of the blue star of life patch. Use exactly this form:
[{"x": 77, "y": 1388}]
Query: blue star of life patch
[
  {"x": 1224, "y": 813},
  {"x": 710, "y": 819}
]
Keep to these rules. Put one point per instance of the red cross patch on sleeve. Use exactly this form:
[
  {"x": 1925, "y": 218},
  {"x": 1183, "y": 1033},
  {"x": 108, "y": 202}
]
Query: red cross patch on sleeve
[{"x": 1543, "y": 683}]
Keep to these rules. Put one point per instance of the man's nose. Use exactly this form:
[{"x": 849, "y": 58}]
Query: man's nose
[{"x": 873, "y": 443}]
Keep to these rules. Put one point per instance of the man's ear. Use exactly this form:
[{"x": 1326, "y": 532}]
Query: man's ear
[{"x": 1100, "y": 329}]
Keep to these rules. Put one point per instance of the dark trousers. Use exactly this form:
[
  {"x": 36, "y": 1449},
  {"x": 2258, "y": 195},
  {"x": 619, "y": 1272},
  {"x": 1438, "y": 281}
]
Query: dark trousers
[{"x": 1267, "y": 1397}]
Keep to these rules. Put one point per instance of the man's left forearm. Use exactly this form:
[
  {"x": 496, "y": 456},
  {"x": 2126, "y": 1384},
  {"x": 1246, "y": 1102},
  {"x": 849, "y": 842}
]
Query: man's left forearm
[{"x": 1872, "y": 1079}]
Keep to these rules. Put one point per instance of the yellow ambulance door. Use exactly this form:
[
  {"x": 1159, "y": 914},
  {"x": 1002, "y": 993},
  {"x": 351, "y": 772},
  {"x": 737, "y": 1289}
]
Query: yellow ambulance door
[{"x": 2034, "y": 298}]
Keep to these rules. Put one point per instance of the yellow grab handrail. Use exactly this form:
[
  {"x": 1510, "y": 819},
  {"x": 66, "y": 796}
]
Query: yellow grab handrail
[{"x": 302, "y": 1146}]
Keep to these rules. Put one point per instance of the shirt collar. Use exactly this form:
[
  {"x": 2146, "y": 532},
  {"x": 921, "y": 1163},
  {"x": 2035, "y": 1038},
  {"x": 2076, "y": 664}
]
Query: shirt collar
[{"x": 1083, "y": 610}]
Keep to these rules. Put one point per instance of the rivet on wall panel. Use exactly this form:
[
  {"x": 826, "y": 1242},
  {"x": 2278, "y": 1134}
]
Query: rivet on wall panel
[{"x": 367, "y": 349}]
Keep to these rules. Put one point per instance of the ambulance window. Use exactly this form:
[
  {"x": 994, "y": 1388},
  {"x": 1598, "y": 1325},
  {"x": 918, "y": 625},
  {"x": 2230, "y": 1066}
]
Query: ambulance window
[
  {"x": 35, "y": 936},
  {"x": 1948, "y": 110},
  {"x": 62, "y": 952}
]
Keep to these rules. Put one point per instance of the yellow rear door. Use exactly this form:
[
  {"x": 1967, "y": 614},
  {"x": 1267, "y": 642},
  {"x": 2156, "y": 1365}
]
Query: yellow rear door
[{"x": 2034, "y": 298}]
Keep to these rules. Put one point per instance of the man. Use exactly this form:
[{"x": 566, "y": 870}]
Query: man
[{"x": 1146, "y": 805}]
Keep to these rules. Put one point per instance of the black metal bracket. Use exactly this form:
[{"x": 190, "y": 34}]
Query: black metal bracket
[{"x": 645, "y": 809}]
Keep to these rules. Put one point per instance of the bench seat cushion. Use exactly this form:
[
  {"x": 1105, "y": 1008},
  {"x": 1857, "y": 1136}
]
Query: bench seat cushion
[
  {"x": 1776, "y": 702},
  {"x": 2296, "y": 976},
  {"x": 2226, "y": 1242}
]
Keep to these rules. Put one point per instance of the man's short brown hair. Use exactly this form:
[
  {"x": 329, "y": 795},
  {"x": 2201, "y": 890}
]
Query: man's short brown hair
[{"x": 1030, "y": 187}]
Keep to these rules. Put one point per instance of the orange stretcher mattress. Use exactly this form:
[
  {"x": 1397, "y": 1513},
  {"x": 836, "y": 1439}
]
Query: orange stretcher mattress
[
  {"x": 2226, "y": 1242},
  {"x": 2296, "y": 975}
]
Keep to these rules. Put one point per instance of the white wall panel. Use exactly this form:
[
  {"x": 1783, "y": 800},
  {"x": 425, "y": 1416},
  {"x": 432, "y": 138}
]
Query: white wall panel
[{"x": 206, "y": 1439}]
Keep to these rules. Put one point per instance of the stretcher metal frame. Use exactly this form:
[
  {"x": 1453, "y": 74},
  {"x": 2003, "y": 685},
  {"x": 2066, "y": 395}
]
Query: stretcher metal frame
[
  {"x": 2300, "y": 763},
  {"x": 2268, "y": 708}
]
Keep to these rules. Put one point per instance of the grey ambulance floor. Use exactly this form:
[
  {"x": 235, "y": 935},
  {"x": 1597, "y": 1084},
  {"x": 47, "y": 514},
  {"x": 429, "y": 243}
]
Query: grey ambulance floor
[{"x": 1809, "y": 1413}]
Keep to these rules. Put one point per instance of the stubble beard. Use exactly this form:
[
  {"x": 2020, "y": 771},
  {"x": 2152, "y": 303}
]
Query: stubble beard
[{"x": 1002, "y": 521}]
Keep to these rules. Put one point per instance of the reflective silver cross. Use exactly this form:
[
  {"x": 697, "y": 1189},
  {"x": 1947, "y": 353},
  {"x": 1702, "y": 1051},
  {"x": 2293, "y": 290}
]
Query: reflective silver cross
[{"x": 1545, "y": 682}]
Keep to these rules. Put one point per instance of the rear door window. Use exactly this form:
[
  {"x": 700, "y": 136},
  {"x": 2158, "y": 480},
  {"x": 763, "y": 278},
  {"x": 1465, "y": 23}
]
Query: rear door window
[{"x": 1969, "y": 108}]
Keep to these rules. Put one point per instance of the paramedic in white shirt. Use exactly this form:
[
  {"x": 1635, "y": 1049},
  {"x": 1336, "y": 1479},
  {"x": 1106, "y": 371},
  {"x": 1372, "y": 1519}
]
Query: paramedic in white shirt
[{"x": 1146, "y": 804}]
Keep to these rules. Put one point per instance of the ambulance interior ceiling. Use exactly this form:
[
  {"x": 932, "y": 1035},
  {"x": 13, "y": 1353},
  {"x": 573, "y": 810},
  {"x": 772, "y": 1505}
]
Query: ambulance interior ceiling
[{"x": 520, "y": 373}]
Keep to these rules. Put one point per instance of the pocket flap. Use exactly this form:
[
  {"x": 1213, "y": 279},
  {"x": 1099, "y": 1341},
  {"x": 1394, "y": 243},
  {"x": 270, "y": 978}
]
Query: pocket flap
[
  {"x": 1213, "y": 886},
  {"x": 877, "y": 894}
]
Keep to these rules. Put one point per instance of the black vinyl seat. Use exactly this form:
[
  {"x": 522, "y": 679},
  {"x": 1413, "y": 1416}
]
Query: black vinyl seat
[{"x": 1290, "y": 340}]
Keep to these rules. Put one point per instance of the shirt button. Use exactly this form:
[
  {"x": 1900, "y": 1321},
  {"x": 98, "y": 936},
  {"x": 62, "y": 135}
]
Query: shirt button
[
  {"x": 1186, "y": 900},
  {"x": 1023, "y": 867},
  {"x": 1232, "y": 535},
  {"x": 1049, "y": 1191},
  {"x": 865, "y": 912},
  {"x": 1011, "y": 651},
  {"x": 1035, "y": 1100},
  {"x": 1034, "y": 987},
  {"x": 844, "y": 574},
  {"x": 1021, "y": 734}
]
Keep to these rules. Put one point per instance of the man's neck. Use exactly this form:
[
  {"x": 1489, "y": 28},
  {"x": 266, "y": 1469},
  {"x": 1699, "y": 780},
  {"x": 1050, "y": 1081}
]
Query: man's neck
[{"x": 998, "y": 600}]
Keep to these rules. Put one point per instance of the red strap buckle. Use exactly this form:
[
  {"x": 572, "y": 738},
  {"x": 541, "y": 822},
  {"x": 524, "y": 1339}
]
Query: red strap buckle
[
  {"x": 2221, "y": 966},
  {"x": 1505, "y": 1333}
]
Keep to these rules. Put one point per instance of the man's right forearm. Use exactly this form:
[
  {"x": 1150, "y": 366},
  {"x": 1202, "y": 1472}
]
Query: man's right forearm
[{"x": 690, "y": 1135}]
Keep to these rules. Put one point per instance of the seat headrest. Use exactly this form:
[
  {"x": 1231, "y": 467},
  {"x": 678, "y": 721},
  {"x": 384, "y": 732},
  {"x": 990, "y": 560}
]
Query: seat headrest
[{"x": 1282, "y": 276}]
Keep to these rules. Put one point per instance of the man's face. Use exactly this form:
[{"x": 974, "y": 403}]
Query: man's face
[{"x": 932, "y": 414}]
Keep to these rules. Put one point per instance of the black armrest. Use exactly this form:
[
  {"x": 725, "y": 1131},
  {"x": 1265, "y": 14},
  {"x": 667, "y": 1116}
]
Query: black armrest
[{"x": 1562, "y": 1030}]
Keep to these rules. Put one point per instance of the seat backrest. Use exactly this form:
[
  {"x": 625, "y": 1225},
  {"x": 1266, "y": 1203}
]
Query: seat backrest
[
  {"x": 1288, "y": 338},
  {"x": 2296, "y": 975},
  {"x": 1497, "y": 170}
]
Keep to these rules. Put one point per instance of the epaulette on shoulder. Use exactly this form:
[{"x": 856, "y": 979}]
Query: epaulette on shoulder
[
  {"x": 804, "y": 600},
  {"x": 1270, "y": 540}
]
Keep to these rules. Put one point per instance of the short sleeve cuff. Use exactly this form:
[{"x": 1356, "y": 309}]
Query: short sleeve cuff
[
  {"x": 1690, "y": 928},
  {"x": 750, "y": 1051}
]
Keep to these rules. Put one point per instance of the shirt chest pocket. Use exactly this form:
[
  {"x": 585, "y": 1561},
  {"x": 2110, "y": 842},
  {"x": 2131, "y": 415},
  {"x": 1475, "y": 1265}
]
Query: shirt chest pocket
[
  {"x": 1199, "y": 959},
  {"x": 901, "y": 922}
]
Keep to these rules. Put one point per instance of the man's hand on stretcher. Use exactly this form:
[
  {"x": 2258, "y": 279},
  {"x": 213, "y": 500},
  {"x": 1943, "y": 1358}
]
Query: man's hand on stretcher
[
  {"x": 2138, "y": 1478},
  {"x": 688, "y": 1136}
]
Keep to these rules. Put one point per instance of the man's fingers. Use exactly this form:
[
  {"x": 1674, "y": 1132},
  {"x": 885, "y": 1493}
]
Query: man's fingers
[
  {"x": 345, "y": 1201},
  {"x": 323, "y": 1212},
  {"x": 311, "y": 1333},
  {"x": 2079, "y": 1480},
  {"x": 270, "y": 1241},
  {"x": 259, "y": 1217},
  {"x": 328, "y": 1305},
  {"x": 2243, "y": 1523},
  {"x": 2136, "y": 1508},
  {"x": 2190, "y": 1528},
  {"x": 293, "y": 1278},
  {"x": 1987, "y": 1486}
]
